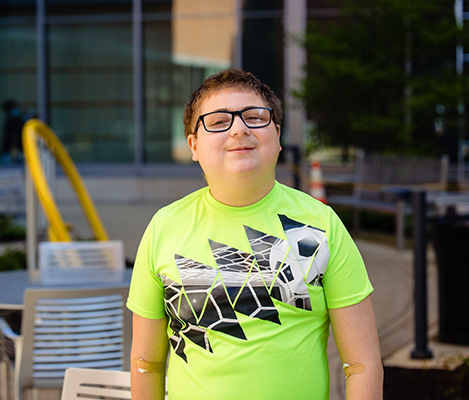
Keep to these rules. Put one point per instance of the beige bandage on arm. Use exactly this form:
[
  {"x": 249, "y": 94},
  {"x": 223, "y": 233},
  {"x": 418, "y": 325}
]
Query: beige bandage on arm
[
  {"x": 353, "y": 369},
  {"x": 147, "y": 366}
]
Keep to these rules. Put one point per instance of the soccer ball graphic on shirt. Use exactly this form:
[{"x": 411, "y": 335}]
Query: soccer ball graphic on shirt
[
  {"x": 301, "y": 260},
  {"x": 248, "y": 283}
]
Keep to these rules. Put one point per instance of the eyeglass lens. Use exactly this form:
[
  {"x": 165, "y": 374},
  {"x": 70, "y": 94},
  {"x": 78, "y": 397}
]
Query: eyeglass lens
[{"x": 253, "y": 118}]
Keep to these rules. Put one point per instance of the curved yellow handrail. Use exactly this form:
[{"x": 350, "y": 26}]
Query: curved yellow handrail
[{"x": 58, "y": 229}]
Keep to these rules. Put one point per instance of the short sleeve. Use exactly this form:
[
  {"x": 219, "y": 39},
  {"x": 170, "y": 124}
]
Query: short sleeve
[
  {"x": 146, "y": 294},
  {"x": 346, "y": 280}
]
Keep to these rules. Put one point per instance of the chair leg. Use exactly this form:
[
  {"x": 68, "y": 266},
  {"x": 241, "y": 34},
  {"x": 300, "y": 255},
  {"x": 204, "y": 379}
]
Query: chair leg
[
  {"x": 3, "y": 380},
  {"x": 18, "y": 391},
  {"x": 34, "y": 394}
]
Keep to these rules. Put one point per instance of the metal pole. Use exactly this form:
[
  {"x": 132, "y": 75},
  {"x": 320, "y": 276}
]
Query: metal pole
[
  {"x": 295, "y": 21},
  {"x": 41, "y": 76},
  {"x": 296, "y": 166},
  {"x": 296, "y": 161},
  {"x": 238, "y": 48},
  {"x": 459, "y": 17},
  {"x": 41, "y": 59},
  {"x": 31, "y": 224},
  {"x": 419, "y": 204},
  {"x": 408, "y": 74},
  {"x": 137, "y": 39}
]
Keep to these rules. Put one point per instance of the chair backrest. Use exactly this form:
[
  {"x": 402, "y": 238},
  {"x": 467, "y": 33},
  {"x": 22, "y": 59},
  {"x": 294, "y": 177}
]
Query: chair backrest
[
  {"x": 81, "y": 262},
  {"x": 373, "y": 172},
  {"x": 83, "y": 328},
  {"x": 85, "y": 383}
]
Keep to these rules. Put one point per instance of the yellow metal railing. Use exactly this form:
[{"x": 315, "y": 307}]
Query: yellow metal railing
[{"x": 58, "y": 231}]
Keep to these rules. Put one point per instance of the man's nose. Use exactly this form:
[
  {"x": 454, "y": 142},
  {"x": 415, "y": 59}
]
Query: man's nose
[{"x": 239, "y": 128}]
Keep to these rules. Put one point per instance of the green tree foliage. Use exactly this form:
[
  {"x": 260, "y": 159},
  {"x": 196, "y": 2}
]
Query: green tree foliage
[
  {"x": 382, "y": 76},
  {"x": 9, "y": 230},
  {"x": 12, "y": 259}
]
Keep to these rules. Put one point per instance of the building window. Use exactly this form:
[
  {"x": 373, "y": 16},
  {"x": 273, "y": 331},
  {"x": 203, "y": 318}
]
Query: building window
[
  {"x": 90, "y": 90},
  {"x": 17, "y": 67},
  {"x": 90, "y": 70}
]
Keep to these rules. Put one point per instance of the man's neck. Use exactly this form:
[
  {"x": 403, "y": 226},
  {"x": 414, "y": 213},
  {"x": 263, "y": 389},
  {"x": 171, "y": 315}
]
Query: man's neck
[{"x": 241, "y": 192}]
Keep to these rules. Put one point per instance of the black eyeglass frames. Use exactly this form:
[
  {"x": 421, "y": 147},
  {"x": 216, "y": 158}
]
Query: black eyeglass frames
[{"x": 221, "y": 121}]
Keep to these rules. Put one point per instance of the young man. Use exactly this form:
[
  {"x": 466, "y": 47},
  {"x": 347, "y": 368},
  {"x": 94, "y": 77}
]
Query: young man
[{"x": 241, "y": 279}]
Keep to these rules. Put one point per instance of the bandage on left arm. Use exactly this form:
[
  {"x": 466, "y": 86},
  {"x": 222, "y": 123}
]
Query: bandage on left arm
[{"x": 353, "y": 369}]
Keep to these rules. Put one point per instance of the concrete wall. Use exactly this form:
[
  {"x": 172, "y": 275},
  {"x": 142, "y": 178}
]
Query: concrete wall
[{"x": 134, "y": 189}]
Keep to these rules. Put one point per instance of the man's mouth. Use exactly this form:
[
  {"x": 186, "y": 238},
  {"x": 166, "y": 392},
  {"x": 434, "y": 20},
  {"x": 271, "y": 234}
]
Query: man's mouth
[{"x": 241, "y": 149}]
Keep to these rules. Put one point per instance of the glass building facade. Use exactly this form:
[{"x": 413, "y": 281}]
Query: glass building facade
[{"x": 111, "y": 76}]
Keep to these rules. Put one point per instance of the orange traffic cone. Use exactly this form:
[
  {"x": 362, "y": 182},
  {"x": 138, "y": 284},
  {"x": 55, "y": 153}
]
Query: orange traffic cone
[{"x": 316, "y": 184}]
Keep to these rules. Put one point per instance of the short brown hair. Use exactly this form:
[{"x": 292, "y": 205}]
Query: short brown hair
[{"x": 230, "y": 78}]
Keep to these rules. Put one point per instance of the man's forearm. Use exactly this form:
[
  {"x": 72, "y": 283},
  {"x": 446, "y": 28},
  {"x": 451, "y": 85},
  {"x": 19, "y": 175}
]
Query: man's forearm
[
  {"x": 147, "y": 385},
  {"x": 367, "y": 385},
  {"x": 149, "y": 356}
]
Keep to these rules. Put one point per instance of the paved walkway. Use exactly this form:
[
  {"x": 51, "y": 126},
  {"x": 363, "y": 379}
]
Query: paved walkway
[{"x": 391, "y": 273}]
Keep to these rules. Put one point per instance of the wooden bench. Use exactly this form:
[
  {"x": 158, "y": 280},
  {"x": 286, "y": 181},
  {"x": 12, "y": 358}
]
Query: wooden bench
[{"x": 380, "y": 184}]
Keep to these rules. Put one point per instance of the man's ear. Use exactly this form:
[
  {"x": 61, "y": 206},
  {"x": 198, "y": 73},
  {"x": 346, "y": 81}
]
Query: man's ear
[
  {"x": 277, "y": 126},
  {"x": 192, "y": 143}
]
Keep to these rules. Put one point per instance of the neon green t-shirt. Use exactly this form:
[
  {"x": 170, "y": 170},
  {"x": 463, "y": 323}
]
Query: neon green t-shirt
[{"x": 246, "y": 291}]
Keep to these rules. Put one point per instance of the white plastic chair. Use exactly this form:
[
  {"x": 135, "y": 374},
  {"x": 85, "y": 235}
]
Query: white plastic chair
[
  {"x": 81, "y": 262},
  {"x": 91, "y": 384},
  {"x": 85, "y": 383},
  {"x": 84, "y": 328},
  {"x": 6, "y": 351}
]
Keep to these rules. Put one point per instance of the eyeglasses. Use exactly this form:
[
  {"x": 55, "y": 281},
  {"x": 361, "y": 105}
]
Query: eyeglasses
[{"x": 221, "y": 121}]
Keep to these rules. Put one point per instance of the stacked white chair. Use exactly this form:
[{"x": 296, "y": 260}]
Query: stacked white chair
[
  {"x": 91, "y": 384},
  {"x": 83, "y": 262},
  {"x": 74, "y": 328}
]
